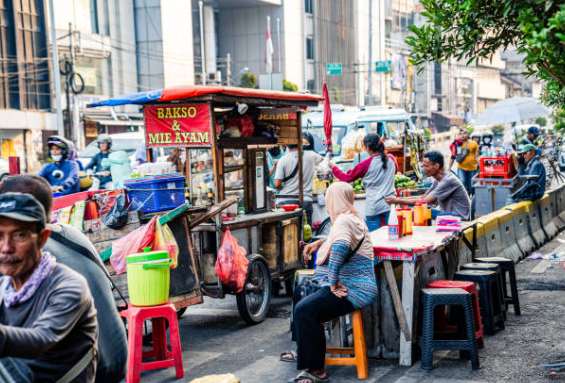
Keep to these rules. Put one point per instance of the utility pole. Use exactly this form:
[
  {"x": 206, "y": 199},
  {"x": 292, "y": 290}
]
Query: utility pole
[
  {"x": 279, "y": 43},
  {"x": 75, "y": 134},
  {"x": 228, "y": 69},
  {"x": 370, "y": 67},
  {"x": 56, "y": 74},
  {"x": 203, "y": 57}
]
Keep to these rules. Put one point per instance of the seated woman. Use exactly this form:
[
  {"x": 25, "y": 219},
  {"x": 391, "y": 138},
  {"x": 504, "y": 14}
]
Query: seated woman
[{"x": 345, "y": 271}]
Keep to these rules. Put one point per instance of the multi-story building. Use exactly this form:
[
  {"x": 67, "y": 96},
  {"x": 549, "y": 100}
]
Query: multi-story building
[{"x": 25, "y": 78}]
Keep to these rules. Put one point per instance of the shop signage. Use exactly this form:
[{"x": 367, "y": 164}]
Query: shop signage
[
  {"x": 91, "y": 129},
  {"x": 333, "y": 69},
  {"x": 178, "y": 125},
  {"x": 277, "y": 114},
  {"x": 383, "y": 66}
]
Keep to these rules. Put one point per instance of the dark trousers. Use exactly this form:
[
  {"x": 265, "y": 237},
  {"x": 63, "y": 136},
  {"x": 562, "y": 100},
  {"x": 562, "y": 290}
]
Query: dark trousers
[
  {"x": 15, "y": 370},
  {"x": 309, "y": 315}
]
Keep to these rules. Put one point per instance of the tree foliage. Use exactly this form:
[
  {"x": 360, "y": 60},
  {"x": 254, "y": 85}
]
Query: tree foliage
[
  {"x": 476, "y": 29},
  {"x": 248, "y": 80},
  {"x": 289, "y": 87}
]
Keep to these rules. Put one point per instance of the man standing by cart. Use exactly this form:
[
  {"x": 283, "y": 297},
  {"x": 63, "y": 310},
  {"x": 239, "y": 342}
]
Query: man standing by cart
[
  {"x": 287, "y": 181},
  {"x": 467, "y": 155}
]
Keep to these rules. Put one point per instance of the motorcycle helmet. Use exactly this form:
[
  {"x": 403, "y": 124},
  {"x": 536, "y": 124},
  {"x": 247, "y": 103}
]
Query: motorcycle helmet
[
  {"x": 475, "y": 135},
  {"x": 61, "y": 143},
  {"x": 104, "y": 138}
]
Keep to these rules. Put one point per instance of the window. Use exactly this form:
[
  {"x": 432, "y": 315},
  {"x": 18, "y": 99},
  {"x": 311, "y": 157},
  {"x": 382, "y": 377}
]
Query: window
[
  {"x": 308, "y": 6},
  {"x": 309, "y": 48}
]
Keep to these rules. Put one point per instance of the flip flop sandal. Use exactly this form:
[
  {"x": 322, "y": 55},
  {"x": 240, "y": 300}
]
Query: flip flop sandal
[
  {"x": 310, "y": 378},
  {"x": 292, "y": 359}
]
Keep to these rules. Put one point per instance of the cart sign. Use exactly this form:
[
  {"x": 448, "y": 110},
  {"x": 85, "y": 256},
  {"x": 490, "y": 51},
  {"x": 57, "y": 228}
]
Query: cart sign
[
  {"x": 178, "y": 125},
  {"x": 278, "y": 114}
]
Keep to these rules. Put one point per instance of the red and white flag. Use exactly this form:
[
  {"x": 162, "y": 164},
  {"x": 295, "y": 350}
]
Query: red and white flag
[{"x": 269, "y": 48}]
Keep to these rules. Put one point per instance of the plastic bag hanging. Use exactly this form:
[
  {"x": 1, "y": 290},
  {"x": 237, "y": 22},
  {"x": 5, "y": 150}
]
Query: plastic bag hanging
[{"x": 231, "y": 265}]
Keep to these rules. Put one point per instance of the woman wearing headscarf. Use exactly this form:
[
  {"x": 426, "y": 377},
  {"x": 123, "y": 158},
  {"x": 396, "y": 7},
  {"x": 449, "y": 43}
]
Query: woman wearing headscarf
[
  {"x": 345, "y": 271},
  {"x": 377, "y": 173}
]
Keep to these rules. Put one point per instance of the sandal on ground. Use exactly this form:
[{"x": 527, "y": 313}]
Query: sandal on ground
[
  {"x": 293, "y": 357},
  {"x": 310, "y": 378}
]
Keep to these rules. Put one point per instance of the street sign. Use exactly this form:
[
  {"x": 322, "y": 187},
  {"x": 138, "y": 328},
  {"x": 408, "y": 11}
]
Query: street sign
[
  {"x": 383, "y": 66},
  {"x": 333, "y": 68}
]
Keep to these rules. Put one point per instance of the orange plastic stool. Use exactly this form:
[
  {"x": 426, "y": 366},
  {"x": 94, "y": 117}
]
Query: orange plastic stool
[
  {"x": 359, "y": 349},
  {"x": 164, "y": 358},
  {"x": 471, "y": 288}
]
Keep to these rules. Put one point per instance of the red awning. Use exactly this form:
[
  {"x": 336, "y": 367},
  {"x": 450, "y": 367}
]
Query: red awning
[{"x": 189, "y": 91}]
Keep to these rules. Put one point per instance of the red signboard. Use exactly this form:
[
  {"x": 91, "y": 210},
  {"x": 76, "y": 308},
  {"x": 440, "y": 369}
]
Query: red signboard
[{"x": 178, "y": 125}]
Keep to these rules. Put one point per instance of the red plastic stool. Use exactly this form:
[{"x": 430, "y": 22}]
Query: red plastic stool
[
  {"x": 164, "y": 358},
  {"x": 471, "y": 288}
]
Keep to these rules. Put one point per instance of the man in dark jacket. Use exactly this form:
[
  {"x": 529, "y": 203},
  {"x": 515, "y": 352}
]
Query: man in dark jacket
[
  {"x": 532, "y": 170},
  {"x": 73, "y": 249},
  {"x": 105, "y": 145},
  {"x": 47, "y": 317}
]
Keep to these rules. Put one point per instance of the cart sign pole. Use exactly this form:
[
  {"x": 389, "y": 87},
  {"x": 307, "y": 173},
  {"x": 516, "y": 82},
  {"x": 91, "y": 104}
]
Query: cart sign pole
[{"x": 187, "y": 126}]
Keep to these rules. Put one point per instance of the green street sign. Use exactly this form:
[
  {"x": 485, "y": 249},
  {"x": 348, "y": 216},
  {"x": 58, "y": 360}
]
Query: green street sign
[
  {"x": 383, "y": 66},
  {"x": 333, "y": 68}
]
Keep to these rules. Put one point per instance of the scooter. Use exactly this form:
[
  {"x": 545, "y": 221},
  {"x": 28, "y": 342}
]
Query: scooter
[{"x": 90, "y": 181}]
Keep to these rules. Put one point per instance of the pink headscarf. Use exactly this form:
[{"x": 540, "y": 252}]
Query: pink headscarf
[{"x": 347, "y": 223}]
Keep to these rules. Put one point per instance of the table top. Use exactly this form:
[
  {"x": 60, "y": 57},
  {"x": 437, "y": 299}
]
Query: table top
[{"x": 424, "y": 239}]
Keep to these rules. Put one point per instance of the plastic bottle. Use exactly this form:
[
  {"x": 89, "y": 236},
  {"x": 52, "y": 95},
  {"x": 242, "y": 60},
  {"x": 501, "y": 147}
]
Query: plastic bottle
[
  {"x": 408, "y": 219},
  {"x": 400, "y": 217},
  {"x": 210, "y": 201},
  {"x": 393, "y": 228},
  {"x": 419, "y": 214},
  {"x": 199, "y": 197},
  {"x": 429, "y": 215}
]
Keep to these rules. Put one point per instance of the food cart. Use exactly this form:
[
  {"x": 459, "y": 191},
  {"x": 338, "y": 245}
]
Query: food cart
[{"x": 224, "y": 133}]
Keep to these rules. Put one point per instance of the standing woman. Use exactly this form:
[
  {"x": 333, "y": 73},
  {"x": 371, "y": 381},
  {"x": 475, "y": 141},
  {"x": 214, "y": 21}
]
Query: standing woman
[
  {"x": 345, "y": 271},
  {"x": 377, "y": 173}
]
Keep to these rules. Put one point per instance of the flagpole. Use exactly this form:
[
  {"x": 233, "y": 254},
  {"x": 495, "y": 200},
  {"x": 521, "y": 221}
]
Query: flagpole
[{"x": 279, "y": 42}]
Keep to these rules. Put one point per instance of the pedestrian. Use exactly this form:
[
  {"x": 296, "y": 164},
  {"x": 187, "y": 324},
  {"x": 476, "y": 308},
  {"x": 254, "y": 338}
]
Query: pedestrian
[
  {"x": 345, "y": 271},
  {"x": 274, "y": 154},
  {"x": 447, "y": 190},
  {"x": 48, "y": 325},
  {"x": 530, "y": 168},
  {"x": 531, "y": 136},
  {"x": 377, "y": 173},
  {"x": 487, "y": 142},
  {"x": 62, "y": 173},
  {"x": 287, "y": 179},
  {"x": 72, "y": 248},
  {"x": 467, "y": 155}
]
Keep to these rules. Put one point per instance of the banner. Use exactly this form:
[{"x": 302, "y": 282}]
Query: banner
[{"x": 178, "y": 125}]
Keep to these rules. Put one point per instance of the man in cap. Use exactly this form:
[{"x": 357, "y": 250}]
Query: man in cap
[
  {"x": 532, "y": 170},
  {"x": 531, "y": 136},
  {"x": 48, "y": 326}
]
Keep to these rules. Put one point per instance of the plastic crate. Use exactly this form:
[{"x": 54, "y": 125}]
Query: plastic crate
[
  {"x": 153, "y": 194},
  {"x": 502, "y": 167}
]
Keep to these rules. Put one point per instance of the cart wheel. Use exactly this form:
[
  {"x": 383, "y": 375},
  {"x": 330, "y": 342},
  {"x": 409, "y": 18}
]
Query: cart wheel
[
  {"x": 324, "y": 228},
  {"x": 254, "y": 301}
]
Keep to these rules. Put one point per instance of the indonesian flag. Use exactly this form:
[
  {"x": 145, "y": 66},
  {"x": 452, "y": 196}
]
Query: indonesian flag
[{"x": 269, "y": 48}]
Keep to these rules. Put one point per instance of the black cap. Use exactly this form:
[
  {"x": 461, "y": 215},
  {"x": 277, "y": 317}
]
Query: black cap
[{"x": 21, "y": 207}]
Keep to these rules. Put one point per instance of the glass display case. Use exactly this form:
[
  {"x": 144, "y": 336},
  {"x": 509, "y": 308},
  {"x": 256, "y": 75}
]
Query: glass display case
[{"x": 201, "y": 173}]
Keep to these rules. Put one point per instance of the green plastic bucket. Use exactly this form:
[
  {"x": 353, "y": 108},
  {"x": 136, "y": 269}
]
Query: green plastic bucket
[{"x": 149, "y": 277}]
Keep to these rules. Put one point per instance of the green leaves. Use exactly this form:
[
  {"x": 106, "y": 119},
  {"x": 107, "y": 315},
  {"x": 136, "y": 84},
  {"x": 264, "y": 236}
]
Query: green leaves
[{"x": 472, "y": 29}]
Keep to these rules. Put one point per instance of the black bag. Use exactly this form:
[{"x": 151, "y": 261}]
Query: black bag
[
  {"x": 117, "y": 217},
  {"x": 463, "y": 153}
]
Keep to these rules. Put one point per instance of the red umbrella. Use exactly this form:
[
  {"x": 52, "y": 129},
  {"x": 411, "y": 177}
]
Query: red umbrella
[{"x": 327, "y": 119}]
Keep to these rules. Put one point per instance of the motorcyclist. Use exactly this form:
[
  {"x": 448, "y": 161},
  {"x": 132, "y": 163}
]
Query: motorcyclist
[
  {"x": 62, "y": 173},
  {"x": 476, "y": 136},
  {"x": 487, "y": 142},
  {"x": 105, "y": 145}
]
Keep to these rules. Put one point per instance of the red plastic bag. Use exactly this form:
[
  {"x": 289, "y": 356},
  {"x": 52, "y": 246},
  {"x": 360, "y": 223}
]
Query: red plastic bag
[
  {"x": 231, "y": 265},
  {"x": 243, "y": 123},
  {"x": 165, "y": 241},
  {"x": 132, "y": 243}
]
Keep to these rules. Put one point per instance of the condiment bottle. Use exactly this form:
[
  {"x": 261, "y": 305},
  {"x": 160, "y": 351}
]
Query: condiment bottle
[
  {"x": 419, "y": 215},
  {"x": 210, "y": 201},
  {"x": 199, "y": 197},
  {"x": 429, "y": 215},
  {"x": 393, "y": 227},
  {"x": 408, "y": 220},
  {"x": 401, "y": 224}
]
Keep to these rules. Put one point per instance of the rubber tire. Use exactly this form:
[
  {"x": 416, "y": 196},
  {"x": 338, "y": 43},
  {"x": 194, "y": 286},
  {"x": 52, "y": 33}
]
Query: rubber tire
[
  {"x": 241, "y": 298},
  {"x": 324, "y": 228}
]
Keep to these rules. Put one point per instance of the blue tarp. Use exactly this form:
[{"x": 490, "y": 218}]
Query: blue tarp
[{"x": 135, "y": 98}]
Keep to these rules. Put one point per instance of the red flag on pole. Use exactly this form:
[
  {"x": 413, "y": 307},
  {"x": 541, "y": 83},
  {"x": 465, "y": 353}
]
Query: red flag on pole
[{"x": 327, "y": 118}]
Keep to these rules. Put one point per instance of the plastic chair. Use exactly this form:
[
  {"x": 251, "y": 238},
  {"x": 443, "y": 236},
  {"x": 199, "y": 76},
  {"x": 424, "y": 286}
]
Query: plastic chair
[
  {"x": 506, "y": 267},
  {"x": 446, "y": 297},
  {"x": 491, "y": 267},
  {"x": 136, "y": 317},
  {"x": 471, "y": 288}
]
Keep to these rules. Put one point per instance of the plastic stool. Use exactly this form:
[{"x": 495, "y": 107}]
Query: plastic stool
[
  {"x": 490, "y": 267},
  {"x": 359, "y": 349},
  {"x": 164, "y": 358},
  {"x": 471, "y": 288},
  {"x": 490, "y": 297},
  {"x": 446, "y": 297},
  {"x": 506, "y": 267}
]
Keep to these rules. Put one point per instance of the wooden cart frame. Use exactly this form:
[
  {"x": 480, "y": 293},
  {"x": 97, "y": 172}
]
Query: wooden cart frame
[{"x": 270, "y": 238}]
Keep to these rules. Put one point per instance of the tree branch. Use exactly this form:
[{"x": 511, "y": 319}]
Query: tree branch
[{"x": 545, "y": 65}]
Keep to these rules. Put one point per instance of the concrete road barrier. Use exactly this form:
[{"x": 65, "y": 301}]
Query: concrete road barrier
[
  {"x": 493, "y": 240},
  {"x": 508, "y": 239},
  {"x": 520, "y": 217},
  {"x": 556, "y": 209},
  {"x": 547, "y": 215},
  {"x": 534, "y": 222},
  {"x": 561, "y": 203},
  {"x": 465, "y": 254}
]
